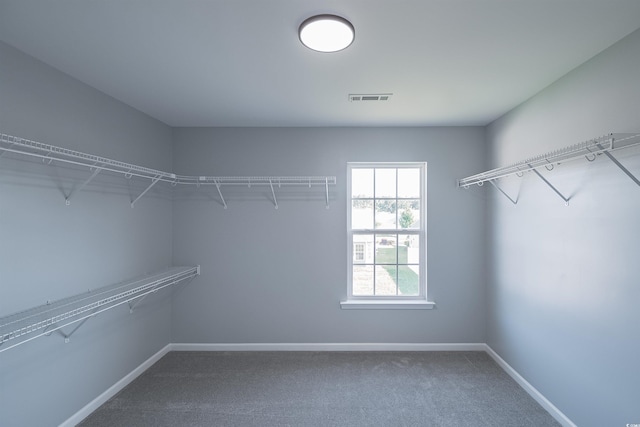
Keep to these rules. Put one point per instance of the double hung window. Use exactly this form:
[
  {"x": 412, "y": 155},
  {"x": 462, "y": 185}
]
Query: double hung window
[{"x": 386, "y": 231}]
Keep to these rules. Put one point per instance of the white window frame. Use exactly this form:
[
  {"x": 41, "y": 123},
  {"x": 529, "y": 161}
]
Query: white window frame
[{"x": 389, "y": 301}]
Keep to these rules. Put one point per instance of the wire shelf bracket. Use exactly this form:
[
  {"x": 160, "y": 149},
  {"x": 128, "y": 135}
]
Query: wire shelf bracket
[
  {"x": 154, "y": 181},
  {"x": 67, "y": 337},
  {"x": 273, "y": 193},
  {"x": 492, "y": 182},
  {"x": 67, "y": 199},
  {"x": 555, "y": 190},
  {"x": 326, "y": 186},
  {"x": 220, "y": 194},
  {"x": 22, "y": 327},
  {"x": 590, "y": 150},
  {"x": 621, "y": 166},
  {"x": 50, "y": 153}
]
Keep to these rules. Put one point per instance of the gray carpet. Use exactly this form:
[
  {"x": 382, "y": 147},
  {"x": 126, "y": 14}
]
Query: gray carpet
[{"x": 322, "y": 389}]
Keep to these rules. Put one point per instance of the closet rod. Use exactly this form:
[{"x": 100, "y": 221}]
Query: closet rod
[{"x": 588, "y": 149}]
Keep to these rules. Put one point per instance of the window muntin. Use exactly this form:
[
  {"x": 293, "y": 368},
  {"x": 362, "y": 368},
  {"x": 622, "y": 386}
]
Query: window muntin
[{"x": 387, "y": 230}]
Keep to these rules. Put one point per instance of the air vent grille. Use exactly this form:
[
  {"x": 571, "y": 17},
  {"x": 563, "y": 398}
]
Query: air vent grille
[{"x": 355, "y": 97}]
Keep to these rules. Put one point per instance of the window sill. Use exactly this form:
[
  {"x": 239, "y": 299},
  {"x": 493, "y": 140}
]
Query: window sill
[{"x": 387, "y": 305}]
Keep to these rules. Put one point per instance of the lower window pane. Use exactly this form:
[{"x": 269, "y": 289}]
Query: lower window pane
[
  {"x": 408, "y": 249},
  {"x": 386, "y": 280},
  {"x": 363, "y": 280},
  {"x": 363, "y": 249},
  {"x": 408, "y": 280},
  {"x": 386, "y": 251}
]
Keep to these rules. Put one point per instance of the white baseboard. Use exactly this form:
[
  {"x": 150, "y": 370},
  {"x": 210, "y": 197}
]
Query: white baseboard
[
  {"x": 531, "y": 390},
  {"x": 329, "y": 347},
  {"x": 114, "y": 389}
]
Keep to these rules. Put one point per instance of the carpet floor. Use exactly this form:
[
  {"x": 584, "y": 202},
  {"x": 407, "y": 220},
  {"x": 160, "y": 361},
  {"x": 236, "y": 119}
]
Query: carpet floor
[{"x": 322, "y": 389}]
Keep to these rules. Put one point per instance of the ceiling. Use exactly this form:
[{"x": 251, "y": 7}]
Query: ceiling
[{"x": 240, "y": 63}]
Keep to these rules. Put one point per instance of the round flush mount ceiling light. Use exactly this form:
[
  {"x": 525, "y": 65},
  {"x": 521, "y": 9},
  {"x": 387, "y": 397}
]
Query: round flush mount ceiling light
[{"x": 326, "y": 33}]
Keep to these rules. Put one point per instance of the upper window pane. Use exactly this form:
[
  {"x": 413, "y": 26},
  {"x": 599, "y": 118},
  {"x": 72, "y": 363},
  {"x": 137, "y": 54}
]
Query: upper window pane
[
  {"x": 385, "y": 214},
  {"x": 362, "y": 214},
  {"x": 362, "y": 183},
  {"x": 409, "y": 214},
  {"x": 386, "y": 183},
  {"x": 409, "y": 183}
]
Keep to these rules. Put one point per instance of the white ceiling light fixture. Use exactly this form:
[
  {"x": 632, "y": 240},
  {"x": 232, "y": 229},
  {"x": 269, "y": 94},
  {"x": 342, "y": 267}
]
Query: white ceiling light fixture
[{"x": 326, "y": 33}]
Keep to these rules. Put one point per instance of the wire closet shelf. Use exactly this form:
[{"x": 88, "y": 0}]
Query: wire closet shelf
[
  {"x": 50, "y": 153},
  {"x": 588, "y": 149},
  {"x": 24, "y": 326}
]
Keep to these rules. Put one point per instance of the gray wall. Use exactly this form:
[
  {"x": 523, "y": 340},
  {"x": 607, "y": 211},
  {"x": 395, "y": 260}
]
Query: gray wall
[
  {"x": 563, "y": 290},
  {"x": 50, "y": 251},
  {"x": 277, "y": 276}
]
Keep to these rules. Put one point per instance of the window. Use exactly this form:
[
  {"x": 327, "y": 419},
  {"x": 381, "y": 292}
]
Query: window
[{"x": 386, "y": 235}]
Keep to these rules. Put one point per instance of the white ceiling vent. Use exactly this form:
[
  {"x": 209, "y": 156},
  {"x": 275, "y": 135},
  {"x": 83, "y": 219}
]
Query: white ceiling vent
[{"x": 357, "y": 97}]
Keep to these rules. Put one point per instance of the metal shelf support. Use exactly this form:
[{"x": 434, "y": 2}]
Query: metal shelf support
[
  {"x": 326, "y": 186},
  {"x": 621, "y": 166},
  {"x": 67, "y": 337},
  {"x": 273, "y": 193},
  {"x": 555, "y": 190},
  {"x": 220, "y": 194},
  {"x": 84, "y": 184},
  {"x": 515, "y": 202},
  {"x": 154, "y": 181}
]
